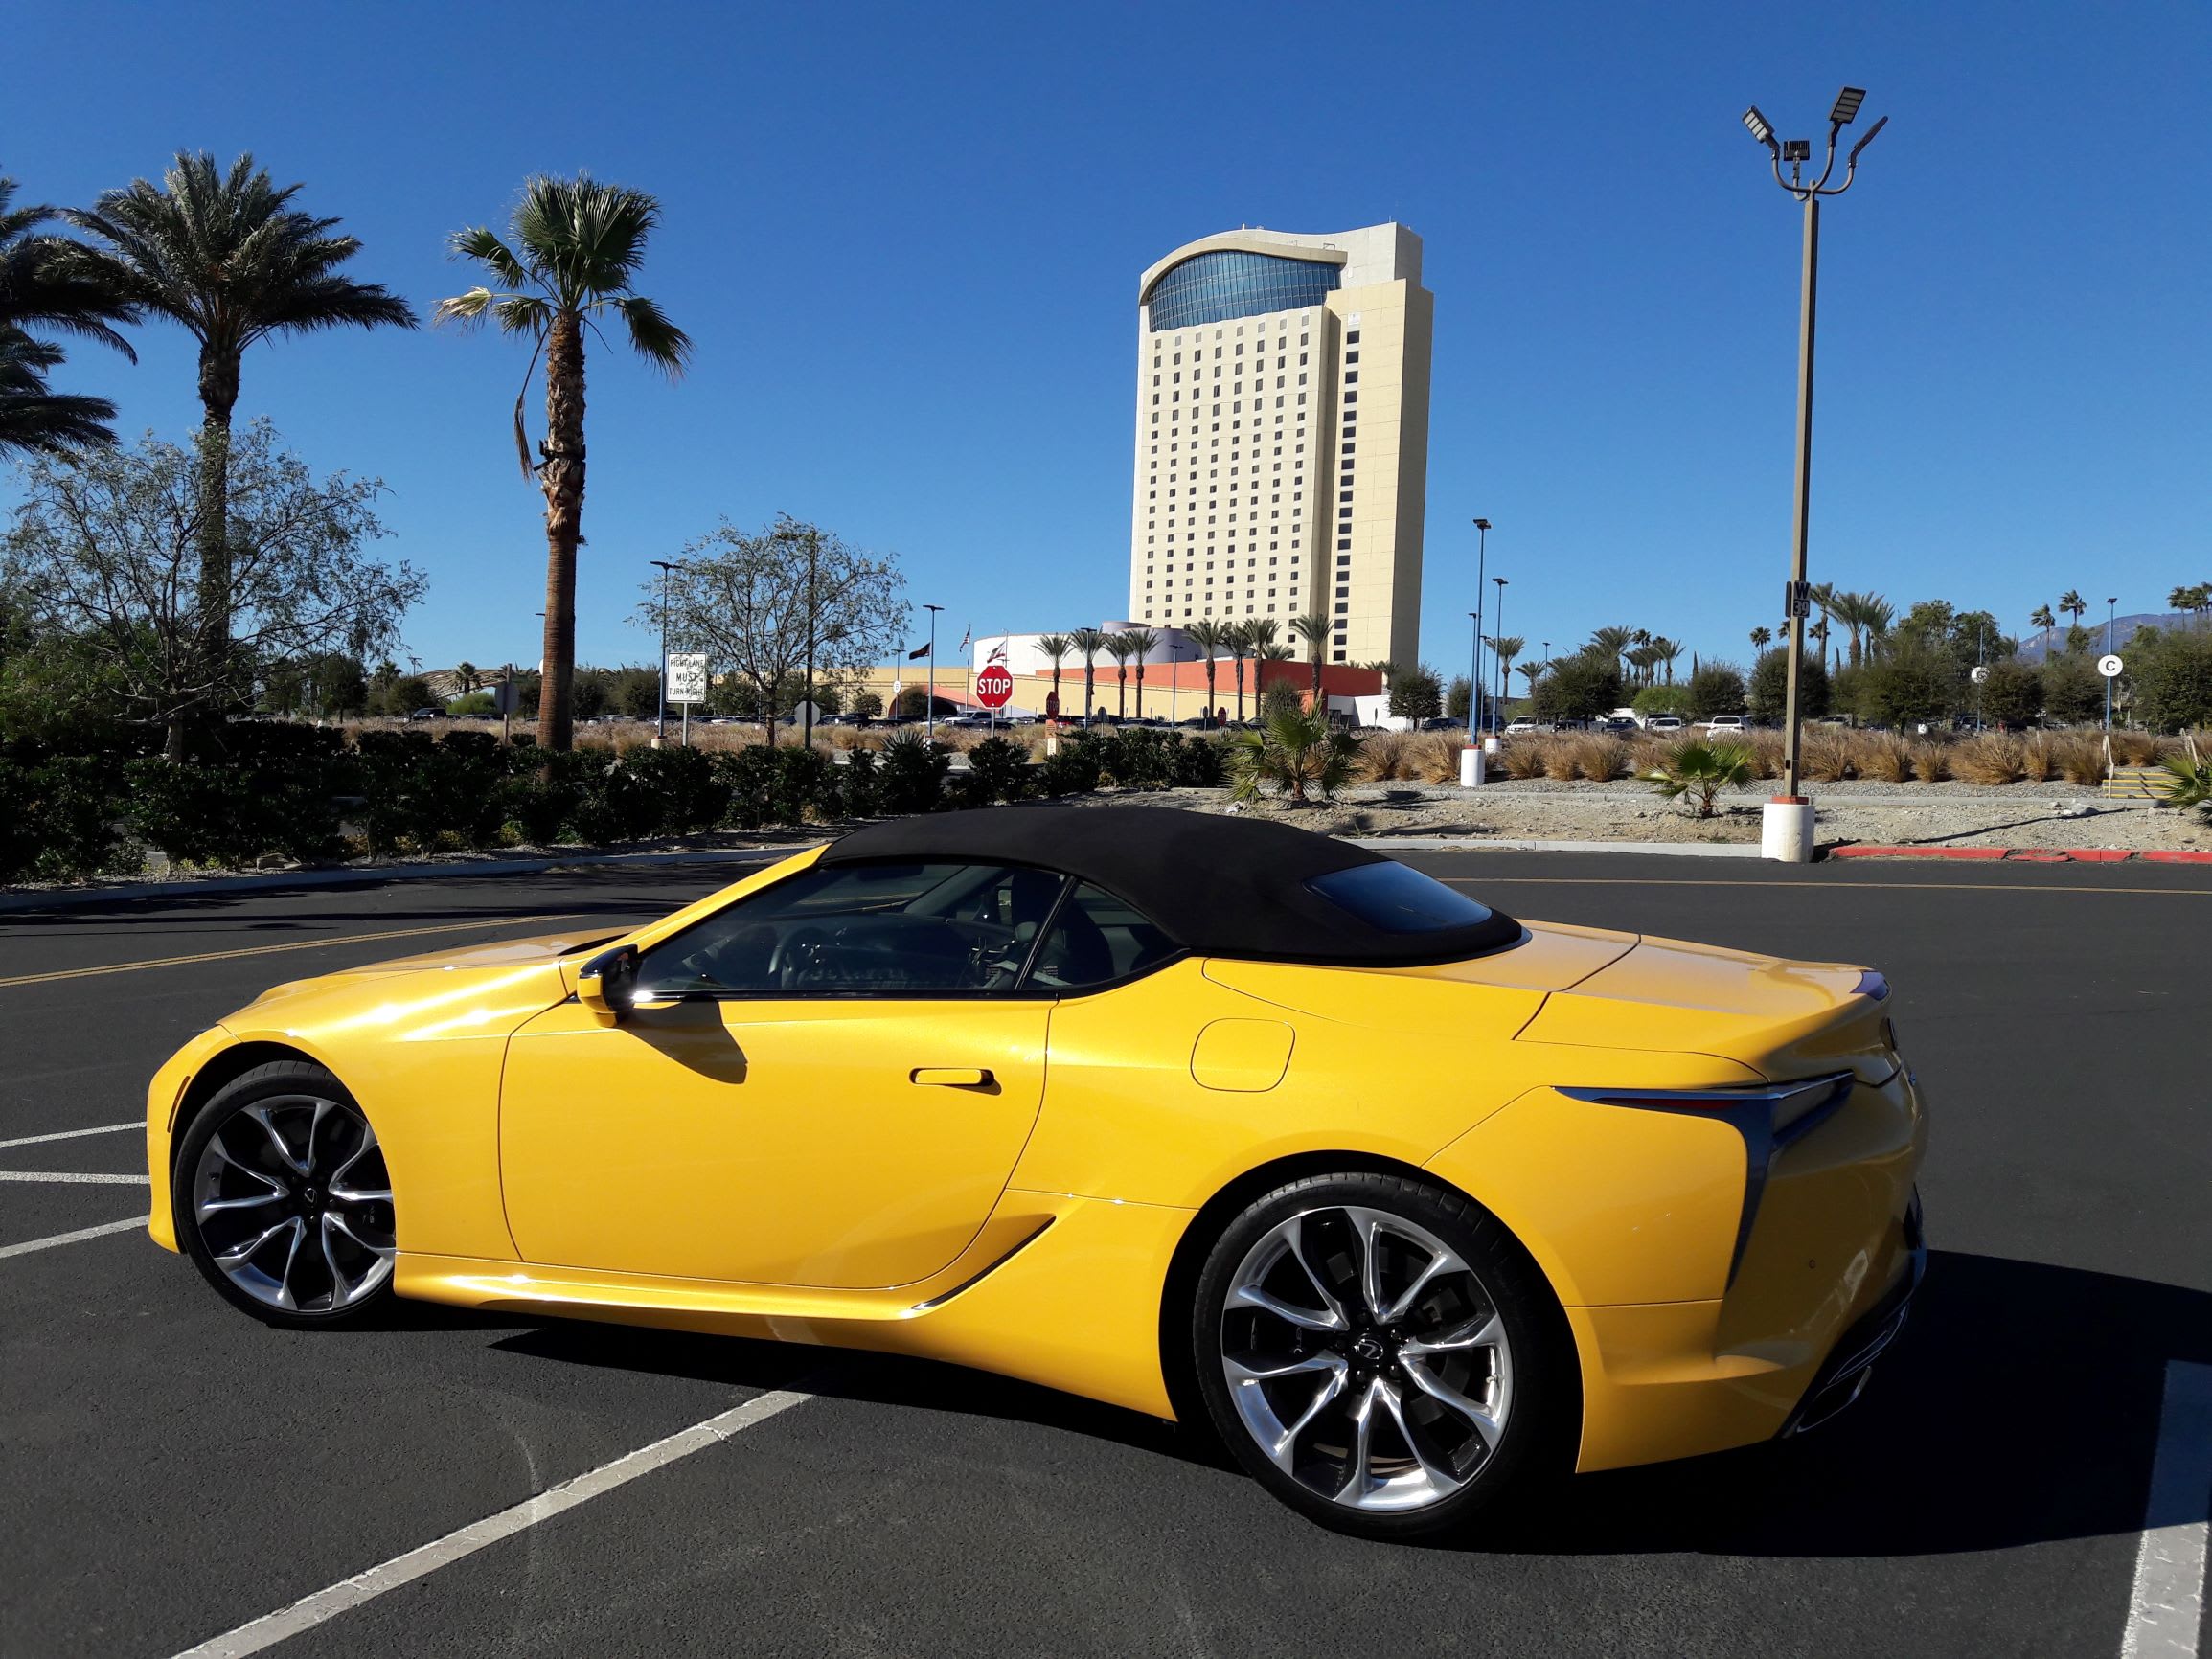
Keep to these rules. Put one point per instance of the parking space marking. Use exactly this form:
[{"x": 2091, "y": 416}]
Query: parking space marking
[
  {"x": 67, "y": 1177},
  {"x": 324, "y": 941},
  {"x": 73, "y": 1134},
  {"x": 326, "y": 1605},
  {"x": 76, "y": 1238},
  {"x": 2167, "y": 1609}
]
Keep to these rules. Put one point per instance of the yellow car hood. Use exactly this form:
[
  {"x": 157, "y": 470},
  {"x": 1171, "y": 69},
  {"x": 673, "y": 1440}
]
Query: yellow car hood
[{"x": 514, "y": 971}]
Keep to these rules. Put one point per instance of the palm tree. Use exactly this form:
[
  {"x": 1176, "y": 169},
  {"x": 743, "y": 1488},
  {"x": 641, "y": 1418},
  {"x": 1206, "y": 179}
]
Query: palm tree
[
  {"x": 1875, "y": 615},
  {"x": 1507, "y": 649},
  {"x": 36, "y": 292},
  {"x": 1762, "y": 638},
  {"x": 1823, "y": 595},
  {"x": 2072, "y": 604},
  {"x": 578, "y": 247},
  {"x": 229, "y": 258},
  {"x": 465, "y": 677},
  {"x": 1613, "y": 642},
  {"x": 1210, "y": 637},
  {"x": 1117, "y": 647},
  {"x": 1314, "y": 629},
  {"x": 1238, "y": 637},
  {"x": 1142, "y": 641},
  {"x": 1666, "y": 650},
  {"x": 1292, "y": 749},
  {"x": 1531, "y": 672},
  {"x": 2042, "y": 621},
  {"x": 1055, "y": 648},
  {"x": 1087, "y": 644}
]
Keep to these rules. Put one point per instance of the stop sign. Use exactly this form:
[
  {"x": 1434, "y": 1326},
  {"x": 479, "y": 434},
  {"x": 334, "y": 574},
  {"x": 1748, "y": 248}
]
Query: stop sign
[{"x": 995, "y": 687}]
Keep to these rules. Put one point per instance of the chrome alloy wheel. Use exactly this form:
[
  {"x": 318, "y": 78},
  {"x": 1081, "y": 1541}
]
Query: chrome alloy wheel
[
  {"x": 1366, "y": 1359},
  {"x": 293, "y": 1203}
]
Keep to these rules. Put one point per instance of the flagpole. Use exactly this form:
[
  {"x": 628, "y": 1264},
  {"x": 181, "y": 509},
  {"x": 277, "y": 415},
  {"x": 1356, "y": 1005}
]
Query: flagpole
[{"x": 930, "y": 709}]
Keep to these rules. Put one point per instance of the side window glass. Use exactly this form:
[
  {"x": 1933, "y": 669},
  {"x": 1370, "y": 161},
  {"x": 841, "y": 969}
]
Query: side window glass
[
  {"x": 1097, "y": 940},
  {"x": 880, "y": 930}
]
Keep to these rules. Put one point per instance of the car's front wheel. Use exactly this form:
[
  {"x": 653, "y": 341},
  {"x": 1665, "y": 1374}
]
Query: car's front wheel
[
  {"x": 282, "y": 1199},
  {"x": 1379, "y": 1354}
]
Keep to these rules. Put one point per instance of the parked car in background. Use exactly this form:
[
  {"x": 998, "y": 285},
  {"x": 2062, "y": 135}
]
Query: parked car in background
[
  {"x": 427, "y": 715},
  {"x": 1728, "y": 724},
  {"x": 1521, "y": 727},
  {"x": 1664, "y": 723}
]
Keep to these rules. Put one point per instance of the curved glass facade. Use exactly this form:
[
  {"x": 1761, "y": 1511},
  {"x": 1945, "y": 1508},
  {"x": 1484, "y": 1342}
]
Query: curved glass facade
[{"x": 1210, "y": 288}]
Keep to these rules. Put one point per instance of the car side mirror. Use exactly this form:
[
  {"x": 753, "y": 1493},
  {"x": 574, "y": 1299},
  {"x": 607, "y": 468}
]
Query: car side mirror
[{"x": 607, "y": 984}]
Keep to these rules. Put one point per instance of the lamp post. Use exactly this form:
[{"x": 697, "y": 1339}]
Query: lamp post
[
  {"x": 1474, "y": 668},
  {"x": 2111, "y": 605},
  {"x": 929, "y": 708},
  {"x": 666, "y": 568},
  {"x": 1499, "y": 624},
  {"x": 1789, "y": 832}
]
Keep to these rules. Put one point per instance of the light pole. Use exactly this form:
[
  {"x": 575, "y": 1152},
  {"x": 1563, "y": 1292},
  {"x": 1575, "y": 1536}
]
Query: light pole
[
  {"x": 1499, "y": 624},
  {"x": 2111, "y": 605},
  {"x": 1797, "y": 153},
  {"x": 929, "y": 708},
  {"x": 668, "y": 568},
  {"x": 1474, "y": 668}
]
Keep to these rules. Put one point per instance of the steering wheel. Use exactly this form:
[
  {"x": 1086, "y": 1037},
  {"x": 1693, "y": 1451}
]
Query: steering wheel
[{"x": 796, "y": 954}]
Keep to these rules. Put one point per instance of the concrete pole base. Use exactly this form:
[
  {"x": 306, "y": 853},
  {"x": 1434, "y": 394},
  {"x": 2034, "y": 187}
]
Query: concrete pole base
[
  {"x": 1786, "y": 829},
  {"x": 1490, "y": 744},
  {"x": 1471, "y": 767}
]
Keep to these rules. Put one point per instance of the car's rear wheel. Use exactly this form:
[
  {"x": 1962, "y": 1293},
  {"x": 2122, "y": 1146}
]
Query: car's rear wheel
[
  {"x": 283, "y": 1198},
  {"x": 1379, "y": 1354}
]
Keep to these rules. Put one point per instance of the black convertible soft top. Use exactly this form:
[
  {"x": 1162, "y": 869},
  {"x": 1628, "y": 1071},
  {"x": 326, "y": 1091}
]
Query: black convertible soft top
[{"x": 1217, "y": 885}]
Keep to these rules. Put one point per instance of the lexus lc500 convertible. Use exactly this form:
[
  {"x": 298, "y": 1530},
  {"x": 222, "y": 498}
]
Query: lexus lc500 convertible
[{"x": 1202, "y": 1115}]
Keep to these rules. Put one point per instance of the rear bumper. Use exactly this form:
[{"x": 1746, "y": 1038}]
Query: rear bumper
[{"x": 1842, "y": 1378}]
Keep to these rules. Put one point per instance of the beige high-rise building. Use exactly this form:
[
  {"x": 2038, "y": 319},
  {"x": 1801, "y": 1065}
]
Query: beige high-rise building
[{"x": 1281, "y": 458}]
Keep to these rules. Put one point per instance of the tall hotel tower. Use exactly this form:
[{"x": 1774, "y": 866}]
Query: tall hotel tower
[{"x": 1281, "y": 460}]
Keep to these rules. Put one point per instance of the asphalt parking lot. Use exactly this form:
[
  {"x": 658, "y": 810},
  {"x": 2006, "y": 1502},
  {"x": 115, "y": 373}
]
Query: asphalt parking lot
[{"x": 171, "y": 1471}]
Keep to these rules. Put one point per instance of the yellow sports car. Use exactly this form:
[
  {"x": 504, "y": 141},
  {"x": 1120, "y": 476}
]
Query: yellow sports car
[{"x": 1202, "y": 1115}]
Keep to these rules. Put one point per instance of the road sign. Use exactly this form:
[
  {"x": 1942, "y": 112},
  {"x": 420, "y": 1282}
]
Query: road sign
[
  {"x": 2109, "y": 666},
  {"x": 994, "y": 686},
  {"x": 1979, "y": 677},
  {"x": 687, "y": 676}
]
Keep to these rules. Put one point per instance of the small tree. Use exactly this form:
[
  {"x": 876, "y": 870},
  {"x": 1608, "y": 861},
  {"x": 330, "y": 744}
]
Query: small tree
[
  {"x": 1717, "y": 688},
  {"x": 2012, "y": 694},
  {"x": 1767, "y": 695},
  {"x": 745, "y": 598},
  {"x": 1295, "y": 750},
  {"x": 1910, "y": 685},
  {"x": 1418, "y": 693},
  {"x": 105, "y": 552},
  {"x": 1580, "y": 688},
  {"x": 2169, "y": 678}
]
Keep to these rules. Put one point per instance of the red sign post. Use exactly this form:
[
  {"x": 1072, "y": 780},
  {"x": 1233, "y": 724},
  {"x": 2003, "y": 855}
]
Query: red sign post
[{"x": 994, "y": 686}]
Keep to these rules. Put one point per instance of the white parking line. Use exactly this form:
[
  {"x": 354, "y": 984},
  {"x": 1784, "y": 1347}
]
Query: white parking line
[
  {"x": 47, "y": 1176},
  {"x": 77, "y": 1237},
  {"x": 2168, "y": 1607},
  {"x": 73, "y": 1134},
  {"x": 323, "y": 1605}
]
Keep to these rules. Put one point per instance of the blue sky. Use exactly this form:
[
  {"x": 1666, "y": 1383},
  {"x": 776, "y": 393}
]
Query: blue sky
[{"x": 906, "y": 240}]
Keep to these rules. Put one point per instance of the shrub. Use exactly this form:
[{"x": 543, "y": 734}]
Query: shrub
[
  {"x": 692, "y": 795},
  {"x": 1138, "y": 758},
  {"x": 1662, "y": 700},
  {"x": 859, "y": 788},
  {"x": 997, "y": 770},
  {"x": 2012, "y": 694},
  {"x": 1932, "y": 760},
  {"x": 1386, "y": 755},
  {"x": 2039, "y": 764},
  {"x": 2170, "y": 679},
  {"x": 1824, "y": 755},
  {"x": 1579, "y": 687},
  {"x": 1716, "y": 688},
  {"x": 1076, "y": 770},
  {"x": 537, "y": 809},
  {"x": 2078, "y": 756},
  {"x": 2187, "y": 780},
  {"x": 2073, "y": 691},
  {"x": 58, "y": 817},
  {"x": 1598, "y": 758},
  {"x": 1527, "y": 757},
  {"x": 749, "y": 777},
  {"x": 1697, "y": 771},
  {"x": 913, "y": 774},
  {"x": 234, "y": 814},
  {"x": 1911, "y": 685},
  {"x": 1201, "y": 762},
  {"x": 1881, "y": 756}
]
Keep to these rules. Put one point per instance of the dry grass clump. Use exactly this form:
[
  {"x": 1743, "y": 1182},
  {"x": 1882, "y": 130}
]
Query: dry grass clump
[
  {"x": 2078, "y": 756},
  {"x": 1559, "y": 762},
  {"x": 1527, "y": 757},
  {"x": 1881, "y": 756},
  {"x": 1435, "y": 758},
  {"x": 1932, "y": 760},
  {"x": 1765, "y": 751},
  {"x": 1387, "y": 756},
  {"x": 1824, "y": 755},
  {"x": 2138, "y": 749},
  {"x": 2038, "y": 765},
  {"x": 1599, "y": 758},
  {"x": 1989, "y": 757}
]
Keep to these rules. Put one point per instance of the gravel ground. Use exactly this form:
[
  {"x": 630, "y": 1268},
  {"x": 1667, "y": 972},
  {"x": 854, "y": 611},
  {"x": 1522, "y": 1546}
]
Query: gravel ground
[{"x": 2034, "y": 815}]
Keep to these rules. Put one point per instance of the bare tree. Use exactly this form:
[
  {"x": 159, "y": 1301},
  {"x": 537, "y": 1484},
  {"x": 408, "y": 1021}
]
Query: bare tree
[
  {"x": 104, "y": 552},
  {"x": 745, "y": 598}
]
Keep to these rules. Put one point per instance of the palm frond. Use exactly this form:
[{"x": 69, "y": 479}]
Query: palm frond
[
  {"x": 655, "y": 339},
  {"x": 481, "y": 244}
]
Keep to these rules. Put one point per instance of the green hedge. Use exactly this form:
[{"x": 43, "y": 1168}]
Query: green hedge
[{"x": 253, "y": 792}]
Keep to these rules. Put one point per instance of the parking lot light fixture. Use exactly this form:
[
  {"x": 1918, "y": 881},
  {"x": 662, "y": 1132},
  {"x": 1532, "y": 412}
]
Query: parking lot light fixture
[
  {"x": 666, "y": 568},
  {"x": 1475, "y": 668},
  {"x": 1810, "y": 194}
]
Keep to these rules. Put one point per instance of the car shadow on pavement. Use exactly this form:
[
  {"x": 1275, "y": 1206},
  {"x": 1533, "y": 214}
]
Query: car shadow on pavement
[{"x": 2020, "y": 1406}]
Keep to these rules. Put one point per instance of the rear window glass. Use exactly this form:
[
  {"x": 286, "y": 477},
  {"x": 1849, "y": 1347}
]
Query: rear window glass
[{"x": 1397, "y": 898}]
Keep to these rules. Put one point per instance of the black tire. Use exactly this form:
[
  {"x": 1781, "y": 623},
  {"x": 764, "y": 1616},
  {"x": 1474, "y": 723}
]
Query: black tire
[
  {"x": 327, "y": 1184},
  {"x": 1527, "y": 1381}
]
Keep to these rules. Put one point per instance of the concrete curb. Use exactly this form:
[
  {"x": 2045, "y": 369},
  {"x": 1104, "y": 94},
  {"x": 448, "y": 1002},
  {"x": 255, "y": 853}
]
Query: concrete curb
[
  {"x": 1490, "y": 844},
  {"x": 372, "y": 875}
]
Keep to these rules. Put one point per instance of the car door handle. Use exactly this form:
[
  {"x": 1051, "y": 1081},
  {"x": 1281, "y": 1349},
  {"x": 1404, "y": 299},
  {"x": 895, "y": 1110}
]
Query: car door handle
[{"x": 952, "y": 1076}]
